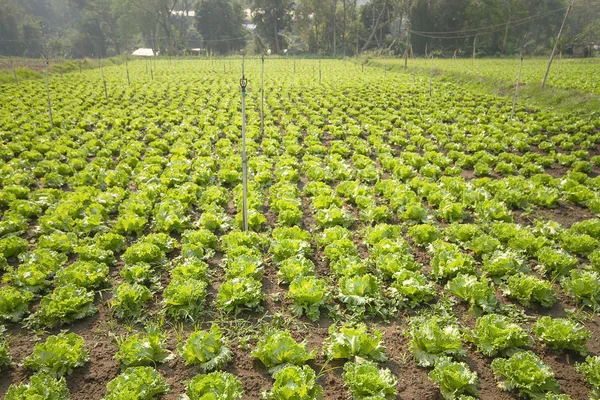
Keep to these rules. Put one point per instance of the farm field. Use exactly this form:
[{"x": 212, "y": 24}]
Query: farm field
[
  {"x": 581, "y": 75},
  {"x": 402, "y": 245}
]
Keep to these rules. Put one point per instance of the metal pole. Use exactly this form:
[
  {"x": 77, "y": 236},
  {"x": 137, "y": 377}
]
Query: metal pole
[
  {"x": 127, "y": 69},
  {"x": 430, "y": 75},
  {"x": 48, "y": 93},
  {"x": 103, "y": 80},
  {"x": 512, "y": 113},
  {"x": 243, "y": 84},
  {"x": 556, "y": 42},
  {"x": 262, "y": 97},
  {"x": 14, "y": 72}
]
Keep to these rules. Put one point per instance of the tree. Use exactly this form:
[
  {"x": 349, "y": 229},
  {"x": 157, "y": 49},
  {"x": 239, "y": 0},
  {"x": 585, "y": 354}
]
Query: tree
[
  {"x": 220, "y": 23},
  {"x": 9, "y": 28},
  {"x": 273, "y": 18}
]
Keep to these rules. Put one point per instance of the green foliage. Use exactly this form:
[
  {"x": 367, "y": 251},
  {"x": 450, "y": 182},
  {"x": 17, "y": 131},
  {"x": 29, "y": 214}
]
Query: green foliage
[
  {"x": 448, "y": 260},
  {"x": 528, "y": 289},
  {"x": 5, "y": 357},
  {"x": 423, "y": 234},
  {"x": 293, "y": 382},
  {"x": 143, "y": 252},
  {"x": 555, "y": 262},
  {"x": 454, "y": 378},
  {"x": 309, "y": 294},
  {"x": 277, "y": 349},
  {"x": 366, "y": 381},
  {"x": 584, "y": 287},
  {"x": 86, "y": 274},
  {"x": 349, "y": 341},
  {"x": 590, "y": 369},
  {"x": 412, "y": 288},
  {"x": 14, "y": 303},
  {"x": 185, "y": 298},
  {"x": 525, "y": 373},
  {"x": 495, "y": 334},
  {"x": 562, "y": 334},
  {"x": 207, "y": 349},
  {"x": 295, "y": 267},
  {"x": 478, "y": 291},
  {"x": 433, "y": 339},
  {"x": 217, "y": 385},
  {"x": 64, "y": 305},
  {"x": 142, "y": 349},
  {"x": 141, "y": 383},
  {"x": 129, "y": 300},
  {"x": 240, "y": 293},
  {"x": 58, "y": 355},
  {"x": 40, "y": 386}
]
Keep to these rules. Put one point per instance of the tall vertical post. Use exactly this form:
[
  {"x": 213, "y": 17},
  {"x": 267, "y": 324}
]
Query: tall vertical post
[
  {"x": 430, "y": 75},
  {"x": 146, "y": 65},
  {"x": 127, "y": 69},
  {"x": 319, "y": 71},
  {"x": 48, "y": 94},
  {"x": 79, "y": 66},
  {"x": 556, "y": 42},
  {"x": 512, "y": 112},
  {"x": 243, "y": 84},
  {"x": 474, "y": 48},
  {"x": 262, "y": 97},
  {"x": 103, "y": 80},
  {"x": 14, "y": 72}
]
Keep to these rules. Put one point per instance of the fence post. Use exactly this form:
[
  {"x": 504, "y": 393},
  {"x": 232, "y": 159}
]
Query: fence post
[
  {"x": 512, "y": 113},
  {"x": 48, "y": 93},
  {"x": 243, "y": 84}
]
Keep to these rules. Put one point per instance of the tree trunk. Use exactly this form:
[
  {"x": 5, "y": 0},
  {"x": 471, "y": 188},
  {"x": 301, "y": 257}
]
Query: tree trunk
[
  {"x": 344, "y": 29},
  {"x": 276, "y": 38},
  {"x": 374, "y": 30}
]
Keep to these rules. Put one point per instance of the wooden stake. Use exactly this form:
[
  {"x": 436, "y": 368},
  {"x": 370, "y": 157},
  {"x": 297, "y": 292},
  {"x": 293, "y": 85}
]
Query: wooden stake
[
  {"x": 103, "y": 80},
  {"x": 127, "y": 69},
  {"x": 14, "y": 72},
  {"x": 556, "y": 42},
  {"x": 48, "y": 93}
]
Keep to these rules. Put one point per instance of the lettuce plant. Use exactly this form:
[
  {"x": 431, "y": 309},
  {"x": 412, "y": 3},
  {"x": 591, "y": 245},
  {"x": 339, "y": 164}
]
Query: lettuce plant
[
  {"x": 141, "y": 273},
  {"x": 129, "y": 300},
  {"x": 528, "y": 289},
  {"x": 423, "y": 234},
  {"x": 503, "y": 263},
  {"x": 207, "y": 349},
  {"x": 590, "y": 369},
  {"x": 293, "y": 382},
  {"x": 142, "y": 383},
  {"x": 584, "y": 287},
  {"x": 526, "y": 373},
  {"x": 64, "y": 305},
  {"x": 216, "y": 385},
  {"x": 14, "y": 303},
  {"x": 562, "y": 334},
  {"x": 366, "y": 381},
  {"x": 86, "y": 274},
  {"x": 555, "y": 262},
  {"x": 432, "y": 339},
  {"x": 309, "y": 293},
  {"x": 278, "y": 348},
  {"x": 495, "y": 334},
  {"x": 40, "y": 386},
  {"x": 58, "y": 355},
  {"x": 454, "y": 379},
  {"x": 5, "y": 357},
  {"x": 362, "y": 294},
  {"x": 349, "y": 341},
  {"x": 143, "y": 349},
  {"x": 240, "y": 293},
  {"x": 295, "y": 267},
  {"x": 478, "y": 291},
  {"x": 412, "y": 288},
  {"x": 448, "y": 260},
  {"x": 185, "y": 298}
]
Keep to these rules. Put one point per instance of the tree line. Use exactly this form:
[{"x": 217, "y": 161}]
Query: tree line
[{"x": 100, "y": 28}]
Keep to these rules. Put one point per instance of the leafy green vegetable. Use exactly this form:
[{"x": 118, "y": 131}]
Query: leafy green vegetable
[
  {"x": 295, "y": 267},
  {"x": 293, "y": 382},
  {"x": 584, "y": 287},
  {"x": 129, "y": 300},
  {"x": 526, "y": 373},
  {"x": 58, "y": 355},
  {"x": 561, "y": 333},
  {"x": 309, "y": 294},
  {"x": 433, "y": 339},
  {"x": 217, "y": 385},
  {"x": 454, "y": 378},
  {"x": 86, "y": 274},
  {"x": 14, "y": 303},
  {"x": 141, "y": 383},
  {"x": 240, "y": 293},
  {"x": 528, "y": 289},
  {"x": 495, "y": 334},
  {"x": 350, "y": 341},
  {"x": 412, "y": 287},
  {"x": 137, "y": 350},
  {"x": 207, "y": 349},
  {"x": 591, "y": 371},
  {"x": 276, "y": 349},
  {"x": 185, "y": 298},
  {"x": 479, "y": 292},
  {"x": 448, "y": 260},
  {"x": 64, "y": 305},
  {"x": 366, "y": 381},
  {"x": 40, "y": 386}
]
